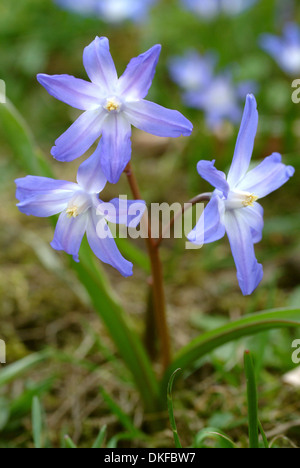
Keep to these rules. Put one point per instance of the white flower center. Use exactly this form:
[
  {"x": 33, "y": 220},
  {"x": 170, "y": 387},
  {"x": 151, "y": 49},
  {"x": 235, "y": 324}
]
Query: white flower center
[
  {"x": 238, "y": 199},
  {"x": 113, "y": 104},
  {"x": 79, "y": 204}
]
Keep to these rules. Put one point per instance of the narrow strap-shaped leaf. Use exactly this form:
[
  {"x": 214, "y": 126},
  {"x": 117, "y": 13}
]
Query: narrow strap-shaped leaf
[
  {"x": 247, "y": 326},
  {"x": 37, "y": 423},
  {"x": 69, "y": 442},
  {"x": 264, "y": 437},
  {"x": 171, "y": 410},
  {"x": 252, "y": 401},
  {"x": 100, "y": 439},
  {"x": 9, "y": 373}
]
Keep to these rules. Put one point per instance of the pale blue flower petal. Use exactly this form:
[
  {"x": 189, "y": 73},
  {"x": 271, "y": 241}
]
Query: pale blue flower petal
[
  {"x": 157, "y": 120},
  {"x": 80, "y": 136},
  {"x": 249, "y": 271},
  {"x": 210, "y": 226},
  {"x": 217, "y": 179},
  {"x": 99, "y": 65},
  {"x": 73, "y": 91},
  {"x": 115, "y": 146},
  {"x": 121, "y": 211},
  {"x": 137, "y": 78},
  {"x": 254, "y": 217},
  {"x": 90, "y": 175},
  {"x": 69, "y": 233},
  {"x": 267, "y": 177},
  {"x": 245, "y": 143},
  {"x": 104, "y": 246},
  {"x": 43, "y": 197}
]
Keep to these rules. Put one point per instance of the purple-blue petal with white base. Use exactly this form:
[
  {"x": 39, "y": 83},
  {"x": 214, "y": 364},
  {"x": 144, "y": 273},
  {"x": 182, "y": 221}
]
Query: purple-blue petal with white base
[
  {"x": 115, "y": 147},
  {"x": 254, "y": 216},
  {"x": 79, "y": 137},
  {"x": 208, "y": 172},
  {"x": 157, "y": 120},
  {"x": 137, "y": 78},
  {"x": 210, "y": 227},
  {"x": 69, "y": 233},
  {"x": 99, "y": 65},
  {"x": 43, "y": 197},
  {"x": 72, "y": 91},
  {"x": 104, "y": 246},
  {"x": 121, "y": 211},
  {"x": 90, "y": 175},
  {"x": 249, "y": 271},
  {"x": 245, "y": 142},
  {"x": 267, "y": 177}
]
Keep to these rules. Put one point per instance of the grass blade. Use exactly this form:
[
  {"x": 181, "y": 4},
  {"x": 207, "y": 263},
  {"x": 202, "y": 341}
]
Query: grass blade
[
  {"x": 252, "y": 401},
  {"x": 264, "y": 437},
  {"x": 171, "y": 410},
  {"x": 37, "y": 423},
  {"x": 100, "y": 439},
  {"x": 11, "y": 372},
  {"x": 215, "y": 434},
  {"x": 69, "y": 442}
]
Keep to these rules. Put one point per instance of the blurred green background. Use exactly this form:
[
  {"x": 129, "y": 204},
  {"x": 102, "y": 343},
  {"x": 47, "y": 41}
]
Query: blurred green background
[{"x": 42, "y": 303}]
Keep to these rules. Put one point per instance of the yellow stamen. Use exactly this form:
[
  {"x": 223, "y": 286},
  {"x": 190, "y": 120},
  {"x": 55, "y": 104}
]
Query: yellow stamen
[
  {"x": 72, "y": 212},
  {"x": 112, "y": 105},
  {"x": 250, "y": 200}
]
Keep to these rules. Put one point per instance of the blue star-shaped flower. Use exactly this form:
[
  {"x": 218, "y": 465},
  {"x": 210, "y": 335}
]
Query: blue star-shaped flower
[
  {"x": 111, "y": 106},
  {"x": 233, "y": 208},
  {"x": 81, "y": 212}
]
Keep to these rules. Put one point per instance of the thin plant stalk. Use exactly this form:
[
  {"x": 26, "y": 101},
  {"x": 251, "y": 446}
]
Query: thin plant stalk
[
  {"x": 204, "y": 197},
  {"x": 157, "y": 278}
]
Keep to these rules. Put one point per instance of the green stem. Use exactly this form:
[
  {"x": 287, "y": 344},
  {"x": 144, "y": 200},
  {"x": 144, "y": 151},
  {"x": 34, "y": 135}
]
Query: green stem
[{"x": 252, "y": 401}]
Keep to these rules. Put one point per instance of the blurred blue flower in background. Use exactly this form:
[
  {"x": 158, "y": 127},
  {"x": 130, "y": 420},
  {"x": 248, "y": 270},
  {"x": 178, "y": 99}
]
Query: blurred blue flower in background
[
  {"x": 112, "y": 11},
  {"x": 192, "y": 71},
  {"x": 209, "y": 9},
  {"x": 233, "y": 208},
  {"x": 217, "y": 95},
  {"x": 112, "y": 105},
  {"x": 220, "y": 100},
  {"x": 81, "y": 212},
  {"x": 286, "y": 49}
]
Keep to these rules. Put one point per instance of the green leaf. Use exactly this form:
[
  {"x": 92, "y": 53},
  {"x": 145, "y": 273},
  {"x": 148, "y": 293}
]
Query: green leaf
[
  {"x": 247, "y": 326},
  {"x": 100, "y": 439},
  {"x": 89, "y": 270},
  {"x": 11, "y": 372},
  {"x": 264, "y": 437},
  {"x": 18, "y": 135},
  {"x": 171, "y": 410},
  {"x": 252, "y": 401},
  {"x": 69, "y": 442},
  {"x": 211, "y": 433},
  {"x": 37, "y": 423}
]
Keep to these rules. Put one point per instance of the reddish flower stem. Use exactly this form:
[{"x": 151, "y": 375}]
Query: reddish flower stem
[{"x": 157, "y": 278}]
